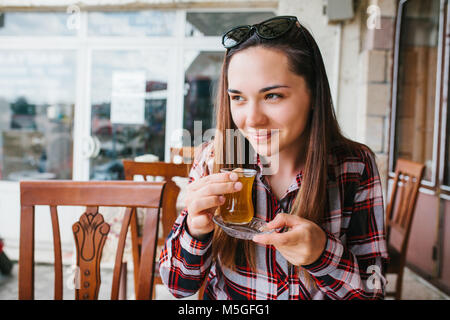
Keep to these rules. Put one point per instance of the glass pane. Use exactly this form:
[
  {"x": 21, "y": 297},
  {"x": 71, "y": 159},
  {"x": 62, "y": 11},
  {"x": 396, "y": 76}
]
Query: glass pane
[
  {"x": 36, "y": 24},
  {"x": 139, "y": 23},
  {"x": 217, "y": 23},
  {"x": 37, "y": 96},
  {"x": 129, "y": 96},
  {"x": 417, "y": 83},
  {"x": 202, "y": 71}
]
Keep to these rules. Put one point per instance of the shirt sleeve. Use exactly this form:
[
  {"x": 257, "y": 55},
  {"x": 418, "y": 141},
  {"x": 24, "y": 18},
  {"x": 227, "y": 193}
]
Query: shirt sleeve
[
  {"x": 354, "y": 268},
  {"x": 185, "y": 260}
]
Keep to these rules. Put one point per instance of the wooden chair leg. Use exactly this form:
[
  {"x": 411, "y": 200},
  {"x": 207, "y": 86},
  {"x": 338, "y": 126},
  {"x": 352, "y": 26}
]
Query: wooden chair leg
[
  {"x": 154, "y": 292},
  {"x": 136, "y": 248},
  {"x": 123, "y": 282},
  {"x": 156, "y": 281},
  {"x": 399, "y": 285}
]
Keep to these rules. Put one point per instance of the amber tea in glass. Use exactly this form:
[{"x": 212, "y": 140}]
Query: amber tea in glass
[{"x": 238, "y": 206}]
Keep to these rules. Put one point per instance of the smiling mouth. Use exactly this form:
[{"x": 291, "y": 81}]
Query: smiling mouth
[{"x": 260, "y": 136}]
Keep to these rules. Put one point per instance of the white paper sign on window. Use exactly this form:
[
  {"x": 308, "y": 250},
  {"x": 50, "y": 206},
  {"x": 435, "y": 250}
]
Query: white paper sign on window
[{"x": 128, "y": 97}]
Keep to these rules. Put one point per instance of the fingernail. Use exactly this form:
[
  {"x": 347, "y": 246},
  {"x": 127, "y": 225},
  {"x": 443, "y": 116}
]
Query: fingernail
[
  {"x": 238, "y": 186},
  {"x": 222, "y": 199},
  {"x": 233, "y": 176}
]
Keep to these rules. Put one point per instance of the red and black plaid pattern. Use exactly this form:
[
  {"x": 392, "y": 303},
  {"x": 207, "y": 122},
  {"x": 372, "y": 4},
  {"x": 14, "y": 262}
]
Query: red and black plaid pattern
[{"x": 352, "y": 265}]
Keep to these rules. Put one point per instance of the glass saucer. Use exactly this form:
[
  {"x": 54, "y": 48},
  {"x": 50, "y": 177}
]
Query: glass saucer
[{"x": 242, "y": 231}]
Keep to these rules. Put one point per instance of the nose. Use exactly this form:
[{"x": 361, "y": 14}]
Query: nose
[{"x": 255, "y": 116}]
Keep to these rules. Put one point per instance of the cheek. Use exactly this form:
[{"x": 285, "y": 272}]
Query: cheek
[
  {"x": 297, "y": 122},
  {"x": 238, "y": 118}
]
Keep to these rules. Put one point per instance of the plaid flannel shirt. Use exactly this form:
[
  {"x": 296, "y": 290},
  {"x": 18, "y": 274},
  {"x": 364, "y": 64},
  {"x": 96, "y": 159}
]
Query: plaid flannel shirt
[{"x": 352, "y": 265}]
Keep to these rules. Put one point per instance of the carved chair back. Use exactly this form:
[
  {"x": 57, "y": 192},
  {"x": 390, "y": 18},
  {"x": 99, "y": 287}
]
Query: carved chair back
[
  {"x": 399, "y": 216},
  {"x": 402, "y": 203},
  {"x": 90, "y": 231}
]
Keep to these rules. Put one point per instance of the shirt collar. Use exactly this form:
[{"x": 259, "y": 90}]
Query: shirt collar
[{"x": 295, "y": 183}]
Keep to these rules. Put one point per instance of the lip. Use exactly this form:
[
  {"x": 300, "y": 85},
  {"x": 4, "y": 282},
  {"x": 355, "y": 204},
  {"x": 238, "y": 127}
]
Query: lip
[{"x": 259, "y": 137}]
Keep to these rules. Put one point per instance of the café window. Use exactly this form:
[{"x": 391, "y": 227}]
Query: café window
[
  {"x": 35, "y": 24},
  {"x": 415, "y": 123},
  {"x": 134, "y": 23},
  {"x": 201, "y": 78},
  {"x": 37, "y": 96},
  {"x": 128, "y": 113}
]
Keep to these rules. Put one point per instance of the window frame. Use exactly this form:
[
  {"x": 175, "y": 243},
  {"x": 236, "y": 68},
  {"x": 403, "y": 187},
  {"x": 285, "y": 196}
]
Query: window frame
[{"x": 436, "y": 182}]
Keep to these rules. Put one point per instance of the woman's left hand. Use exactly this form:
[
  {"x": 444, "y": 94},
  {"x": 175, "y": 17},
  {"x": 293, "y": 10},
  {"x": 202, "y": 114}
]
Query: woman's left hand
[{"x": 302, "y": 244}]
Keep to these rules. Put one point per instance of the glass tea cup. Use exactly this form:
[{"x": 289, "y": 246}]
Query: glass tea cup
[{"x": 238, "y": 206}]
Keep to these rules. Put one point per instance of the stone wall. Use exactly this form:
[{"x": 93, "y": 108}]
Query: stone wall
[
  {"x": 377, "y": 59},
  {"x": 311, "y": 15}
]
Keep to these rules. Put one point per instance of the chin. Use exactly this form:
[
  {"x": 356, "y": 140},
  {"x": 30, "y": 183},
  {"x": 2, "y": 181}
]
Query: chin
[
  {"x": 263, "y": 149},
  {"x": 269, "y": 159},
  {"x": 265, "y": 146}
]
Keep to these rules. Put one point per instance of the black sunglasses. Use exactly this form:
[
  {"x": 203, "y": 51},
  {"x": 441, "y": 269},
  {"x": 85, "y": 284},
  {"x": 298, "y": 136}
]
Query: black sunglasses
[{"x": 269, "y": 29}]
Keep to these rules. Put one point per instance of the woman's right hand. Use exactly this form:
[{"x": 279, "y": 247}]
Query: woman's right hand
[{"x": 204, "y": 196}]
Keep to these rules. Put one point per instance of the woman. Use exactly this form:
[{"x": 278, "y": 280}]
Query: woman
[{"x": 325, "y": 194}]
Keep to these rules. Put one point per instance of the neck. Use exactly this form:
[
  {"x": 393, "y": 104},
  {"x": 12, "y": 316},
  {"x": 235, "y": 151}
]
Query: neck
[
  {"x": 285, "y": 166},
  {"x": 291, "y": 160}
]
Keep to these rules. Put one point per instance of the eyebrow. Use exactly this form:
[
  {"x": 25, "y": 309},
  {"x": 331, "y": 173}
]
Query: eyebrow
[{"x": 261, "y": 91}]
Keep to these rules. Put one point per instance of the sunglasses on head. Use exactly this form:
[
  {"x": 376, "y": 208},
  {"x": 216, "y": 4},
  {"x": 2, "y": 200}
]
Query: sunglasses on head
[{"x": 269, "y": 29}]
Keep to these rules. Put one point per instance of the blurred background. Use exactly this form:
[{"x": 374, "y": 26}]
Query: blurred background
[{"x": 87, "y": 83}]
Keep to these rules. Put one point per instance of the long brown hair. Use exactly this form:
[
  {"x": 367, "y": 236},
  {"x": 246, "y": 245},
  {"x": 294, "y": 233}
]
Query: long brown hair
[{"x": 322, "y": 132}]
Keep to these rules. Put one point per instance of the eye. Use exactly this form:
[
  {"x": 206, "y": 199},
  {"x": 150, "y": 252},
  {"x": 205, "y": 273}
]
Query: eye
[
  {"x": 237, "y": 98},
  {"x": 273, "y": 96}
]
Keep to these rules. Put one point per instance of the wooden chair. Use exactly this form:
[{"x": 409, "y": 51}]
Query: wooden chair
[
  {"x": 90, "y": 231},
  {"x": 399, "y": 217},
  {"x": 169, "y": 200}
]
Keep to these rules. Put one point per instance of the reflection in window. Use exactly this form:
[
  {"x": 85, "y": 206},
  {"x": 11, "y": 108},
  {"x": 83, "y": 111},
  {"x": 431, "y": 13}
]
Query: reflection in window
[
  {"x": 129, "y": 95},
  {"x": 217, "y": 23},
  {"x": 35, "y": 24},
  {"x": 202, "y": 70},
  {"x": 136, "y": 23},
  {"x": 417, "y": 83},
  {"x": 36, "y": 114}
]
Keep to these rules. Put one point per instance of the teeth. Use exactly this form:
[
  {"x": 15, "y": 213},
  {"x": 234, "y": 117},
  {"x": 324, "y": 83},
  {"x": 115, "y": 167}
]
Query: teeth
[
  {"x": 260, "y": 136},
  {"x": 260, "y": 133}
]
